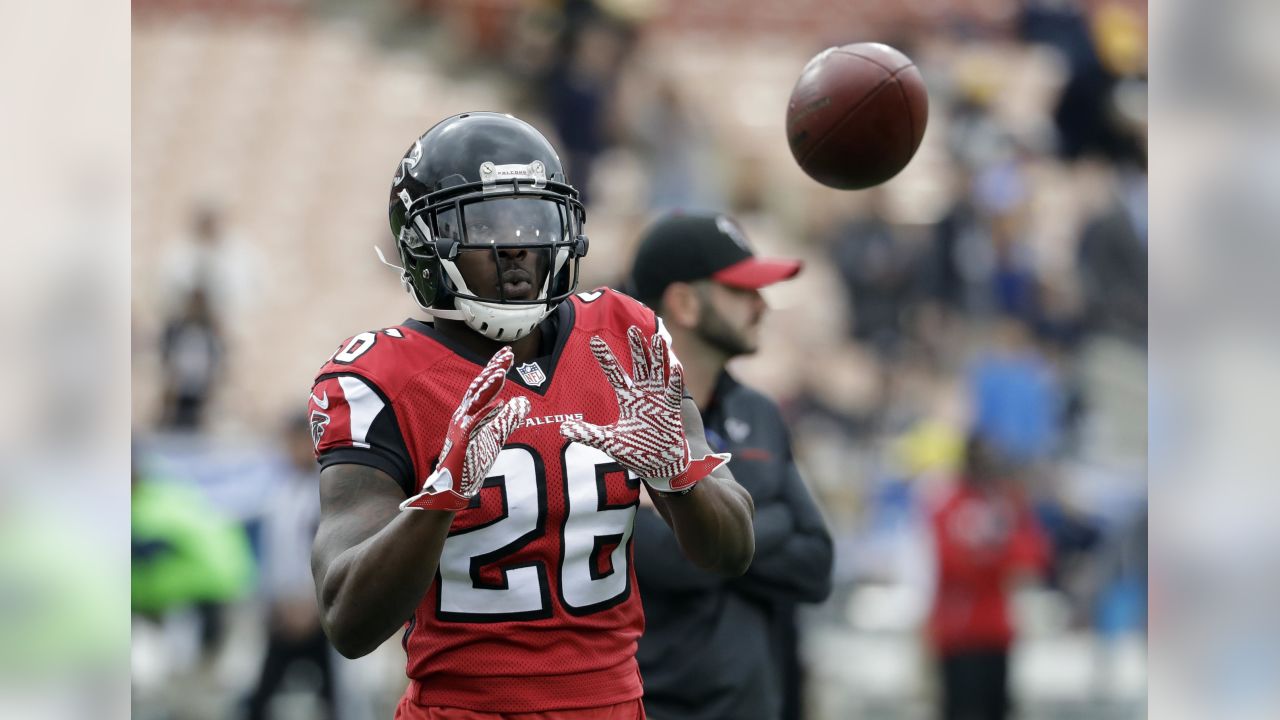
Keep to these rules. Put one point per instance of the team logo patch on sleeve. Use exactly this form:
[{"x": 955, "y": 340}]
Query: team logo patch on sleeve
[
  {"x": 319, "y": 421},
  {"x": 532, "y": 374}
]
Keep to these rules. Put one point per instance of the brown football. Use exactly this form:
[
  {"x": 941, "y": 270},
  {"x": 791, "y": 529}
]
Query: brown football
[{"x": 857, "y": 115}]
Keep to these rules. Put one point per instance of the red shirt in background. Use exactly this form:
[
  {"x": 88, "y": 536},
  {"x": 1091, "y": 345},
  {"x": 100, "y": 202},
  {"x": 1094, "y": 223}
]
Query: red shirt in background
[{"x": 983, "y": 538}]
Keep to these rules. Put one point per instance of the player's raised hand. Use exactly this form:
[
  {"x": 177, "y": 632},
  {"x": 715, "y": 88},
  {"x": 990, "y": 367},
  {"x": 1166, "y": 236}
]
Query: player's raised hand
[
  {"x": 648, "y": 438},
  {"x": 477, "y": 431}
]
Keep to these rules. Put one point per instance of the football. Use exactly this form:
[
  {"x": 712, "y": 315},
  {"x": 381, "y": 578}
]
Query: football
[{"x": 856, "y": 115}]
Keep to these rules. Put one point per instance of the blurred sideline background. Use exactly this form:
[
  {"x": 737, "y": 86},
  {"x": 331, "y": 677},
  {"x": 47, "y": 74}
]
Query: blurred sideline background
[{"x": 997, "y": 284}]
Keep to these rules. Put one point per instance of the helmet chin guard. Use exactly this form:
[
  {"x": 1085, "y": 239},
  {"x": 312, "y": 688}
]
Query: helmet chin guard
[
  {"x": 501, "y": 322},
  {"x": 494, "y": 320}
]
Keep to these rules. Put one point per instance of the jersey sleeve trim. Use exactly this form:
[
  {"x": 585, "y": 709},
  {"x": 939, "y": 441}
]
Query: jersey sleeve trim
[
  {"x": 370, "y": 457},
  {"x": 375, "y": 435}
]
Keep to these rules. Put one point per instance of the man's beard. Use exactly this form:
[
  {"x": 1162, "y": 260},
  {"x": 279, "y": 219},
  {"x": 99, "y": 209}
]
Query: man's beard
[{"x": 719, "y": 334}]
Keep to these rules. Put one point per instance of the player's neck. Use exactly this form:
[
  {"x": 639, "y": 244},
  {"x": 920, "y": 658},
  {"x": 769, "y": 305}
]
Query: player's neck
[{"x": 525, "y": 349}]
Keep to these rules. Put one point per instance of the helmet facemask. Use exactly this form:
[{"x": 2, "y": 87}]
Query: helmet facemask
[{"x": 528, "y": 230}]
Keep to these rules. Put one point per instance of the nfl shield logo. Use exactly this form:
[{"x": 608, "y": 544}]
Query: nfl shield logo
[{"x": 532, "y": 374}]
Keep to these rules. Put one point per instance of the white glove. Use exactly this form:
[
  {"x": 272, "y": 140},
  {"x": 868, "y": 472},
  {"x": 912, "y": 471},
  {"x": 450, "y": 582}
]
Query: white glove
[{"x": 648, "y": 438}]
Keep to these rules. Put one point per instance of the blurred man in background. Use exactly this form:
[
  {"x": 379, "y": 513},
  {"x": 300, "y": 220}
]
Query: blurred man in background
[
  {"x": 717, "y": 647},
  {"x": 192, "y": 350},
  {"x": 1017, "y": 395},
  {"x": 986, "y": 539},
  {"x": 294, "y": 635},
  {"x": 210, "y": 255}
]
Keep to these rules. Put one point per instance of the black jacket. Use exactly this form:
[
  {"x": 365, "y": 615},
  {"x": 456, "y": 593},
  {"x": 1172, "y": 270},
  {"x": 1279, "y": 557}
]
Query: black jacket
[{"x": 707, "y": 650}]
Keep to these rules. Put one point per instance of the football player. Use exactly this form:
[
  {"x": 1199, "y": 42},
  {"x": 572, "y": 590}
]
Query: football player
[{"x": 481, "y": 470}]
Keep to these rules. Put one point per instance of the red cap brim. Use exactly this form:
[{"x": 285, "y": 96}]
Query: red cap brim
[{"x": 755, "y": 273}]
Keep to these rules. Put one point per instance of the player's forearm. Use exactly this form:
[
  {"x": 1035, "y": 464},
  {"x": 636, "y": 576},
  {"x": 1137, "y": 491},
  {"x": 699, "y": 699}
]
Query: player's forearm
[
  {"x": 713, "y": 524},
  {"x": 372, "y": 588}
]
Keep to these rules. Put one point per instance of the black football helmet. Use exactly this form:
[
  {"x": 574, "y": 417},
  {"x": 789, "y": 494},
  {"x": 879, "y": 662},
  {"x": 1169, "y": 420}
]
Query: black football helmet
[{"x": 483, "y": 180}]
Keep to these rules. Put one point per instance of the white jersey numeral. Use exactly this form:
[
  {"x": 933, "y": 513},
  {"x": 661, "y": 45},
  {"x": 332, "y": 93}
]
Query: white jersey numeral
[
  {"x": 588, "y": 581},
  {"x": 361, "y": 344},
  {"x": 521, "y": 592},
  {"x": 593, "y": 574},
  {"x": 355, "y": 347}
]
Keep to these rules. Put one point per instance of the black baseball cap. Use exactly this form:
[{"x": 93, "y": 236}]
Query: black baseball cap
[{"x": 687, "y": 246}]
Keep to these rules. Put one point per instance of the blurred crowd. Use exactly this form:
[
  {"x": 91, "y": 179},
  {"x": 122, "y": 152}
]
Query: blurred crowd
[{"x": 996, "y": 290}]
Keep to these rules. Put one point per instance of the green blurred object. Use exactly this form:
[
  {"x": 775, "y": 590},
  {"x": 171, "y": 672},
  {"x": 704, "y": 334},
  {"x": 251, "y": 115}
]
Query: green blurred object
[
  {"x": 61, "y": 602},
  {"x": 183, "y": 551}
]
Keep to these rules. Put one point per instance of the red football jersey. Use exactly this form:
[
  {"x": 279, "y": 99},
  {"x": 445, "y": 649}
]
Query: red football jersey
[
  {"x": 981, "y": 540},
  {"x": 535, "y": 604}
]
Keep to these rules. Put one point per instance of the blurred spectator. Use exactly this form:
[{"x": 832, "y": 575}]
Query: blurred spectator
[
  {"x": 1002, "y": 191},
  {"x": 980, "y": 263},
  {"x": 1099, "y": 566},
  {"x": 1113, "y": 259},
  {"x": 878, "y": 274},
  {"x": 1085, "y": 115},
  {"x": 294, "y": 634},
  {"x": 959, "y": 261},
  {"x": 1017, "y": 396},
  {"x": 975, "y": 137},
  {"x": 580, "y": 89},
  {"x": 1122, "y": 594},
  {"x": 211, "y": 259},
  {"x": 530, "y": 53},
  {"x": 185, "y": 556},
  {"x": 675, "y": 146},
  {"x": 191, "y": 356},
  {"x": 1076, "y": 541},
  {"x": 986, "y": 539}
]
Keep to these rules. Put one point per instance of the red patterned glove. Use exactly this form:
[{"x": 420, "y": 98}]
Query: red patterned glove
[
  {"x": 648, "y": 438},
  {"x": 477, "y": 431}
]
